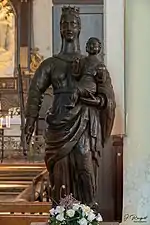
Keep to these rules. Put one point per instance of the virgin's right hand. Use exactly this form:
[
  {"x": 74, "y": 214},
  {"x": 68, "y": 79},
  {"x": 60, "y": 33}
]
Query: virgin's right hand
[{"x": 29, "y": 128}]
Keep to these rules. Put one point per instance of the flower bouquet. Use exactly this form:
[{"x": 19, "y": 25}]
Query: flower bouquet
[{"x": 72, "y": 212}]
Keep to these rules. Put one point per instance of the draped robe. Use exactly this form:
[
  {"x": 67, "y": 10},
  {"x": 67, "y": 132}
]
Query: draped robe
[{"x": 75, "y": 135}]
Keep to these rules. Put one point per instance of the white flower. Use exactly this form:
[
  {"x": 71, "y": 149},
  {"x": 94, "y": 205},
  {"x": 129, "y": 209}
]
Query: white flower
[
  {"x": 60, "y": 217},
  {"x": 83, "y": 221},
  {"x": 52, "y": 211},
  {"x": 86, "y": 209},
  {"x": 76, "y": 207},
  {"x": 59, "y": 209},
  {"x": 70, "y": 212},
  {"x": 91, "y": 216},
  {"x": 99, "y": 217}
]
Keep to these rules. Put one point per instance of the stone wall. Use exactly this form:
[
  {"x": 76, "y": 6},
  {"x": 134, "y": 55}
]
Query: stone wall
[
  {"x": 136, "y": 144},
  {"x": 42, "y": 26}
]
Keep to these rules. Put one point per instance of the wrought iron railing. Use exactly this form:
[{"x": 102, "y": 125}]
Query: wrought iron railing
[{"x": 10, "y": 147}]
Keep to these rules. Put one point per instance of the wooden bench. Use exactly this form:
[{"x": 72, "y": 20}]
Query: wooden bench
[{"x": 23, "y": 213}]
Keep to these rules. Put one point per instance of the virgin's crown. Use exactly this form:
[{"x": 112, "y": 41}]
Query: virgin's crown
[{"x": 70, "y": 10}]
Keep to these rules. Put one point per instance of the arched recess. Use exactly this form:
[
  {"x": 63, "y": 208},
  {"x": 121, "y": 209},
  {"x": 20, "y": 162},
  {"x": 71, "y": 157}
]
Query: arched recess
[
  {"x": 7, "y": 39},
  {"x": 22, "y": 10}
]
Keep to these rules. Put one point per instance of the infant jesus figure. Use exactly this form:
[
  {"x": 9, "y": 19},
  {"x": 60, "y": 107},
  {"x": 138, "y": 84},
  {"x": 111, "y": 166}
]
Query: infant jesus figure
[
  {"x": 92, "y": 75},
  {"x": 94, "y": 86}
]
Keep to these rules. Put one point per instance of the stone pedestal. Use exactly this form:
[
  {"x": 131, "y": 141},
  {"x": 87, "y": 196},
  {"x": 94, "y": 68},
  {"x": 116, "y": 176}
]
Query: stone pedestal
[
  {"x": 39, "y": 223},
  {"x": 102, "y": 223}
]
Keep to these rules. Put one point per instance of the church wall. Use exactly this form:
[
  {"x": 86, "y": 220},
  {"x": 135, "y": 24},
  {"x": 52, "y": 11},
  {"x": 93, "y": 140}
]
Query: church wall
[
  {"x": 136, "y": 145},
  {"x": 114, "y": 58},
  {"x": 42, "y": 26}
]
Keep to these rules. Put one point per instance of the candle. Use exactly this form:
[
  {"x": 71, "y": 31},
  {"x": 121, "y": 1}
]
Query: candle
[
  {"x": 8, "y": 121},
  {"x": 1, "y": 122},
  {"x": 4, "y": 121}
]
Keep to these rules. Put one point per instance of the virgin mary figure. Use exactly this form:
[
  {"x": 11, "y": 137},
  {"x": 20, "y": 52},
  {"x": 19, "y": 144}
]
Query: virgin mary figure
[{"x": 76, "y": 131}]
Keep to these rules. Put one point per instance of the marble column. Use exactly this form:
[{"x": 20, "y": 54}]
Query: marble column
[{"x": 136, "y": 207}]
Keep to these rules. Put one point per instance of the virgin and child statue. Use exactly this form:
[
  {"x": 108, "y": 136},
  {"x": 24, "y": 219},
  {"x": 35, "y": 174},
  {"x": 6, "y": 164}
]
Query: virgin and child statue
[{"x": 80, "y": 120}]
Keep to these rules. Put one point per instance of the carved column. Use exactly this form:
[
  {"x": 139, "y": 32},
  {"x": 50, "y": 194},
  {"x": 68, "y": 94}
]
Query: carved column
[
  {"x": 23, "y": 10},
  {"x": 25, "y": 33}
]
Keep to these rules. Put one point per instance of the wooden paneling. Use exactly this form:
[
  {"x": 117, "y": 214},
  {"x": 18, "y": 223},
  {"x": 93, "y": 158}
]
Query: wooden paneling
[
  {"x": 31, "y": 207},
  {"x": 8, "y": 84},
  {"x": 21, "y": 220},
  {"x": 118, "y": 176},
  {"x": 25, "y": 213},
  {"x": 9, "y": 91}
]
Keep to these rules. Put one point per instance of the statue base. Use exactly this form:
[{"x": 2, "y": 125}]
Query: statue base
[{"x": 101, "y": 223}]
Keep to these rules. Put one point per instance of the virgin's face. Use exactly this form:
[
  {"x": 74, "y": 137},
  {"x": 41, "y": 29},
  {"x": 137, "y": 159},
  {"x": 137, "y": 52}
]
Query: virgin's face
[{"x": 69, "y": 27}]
